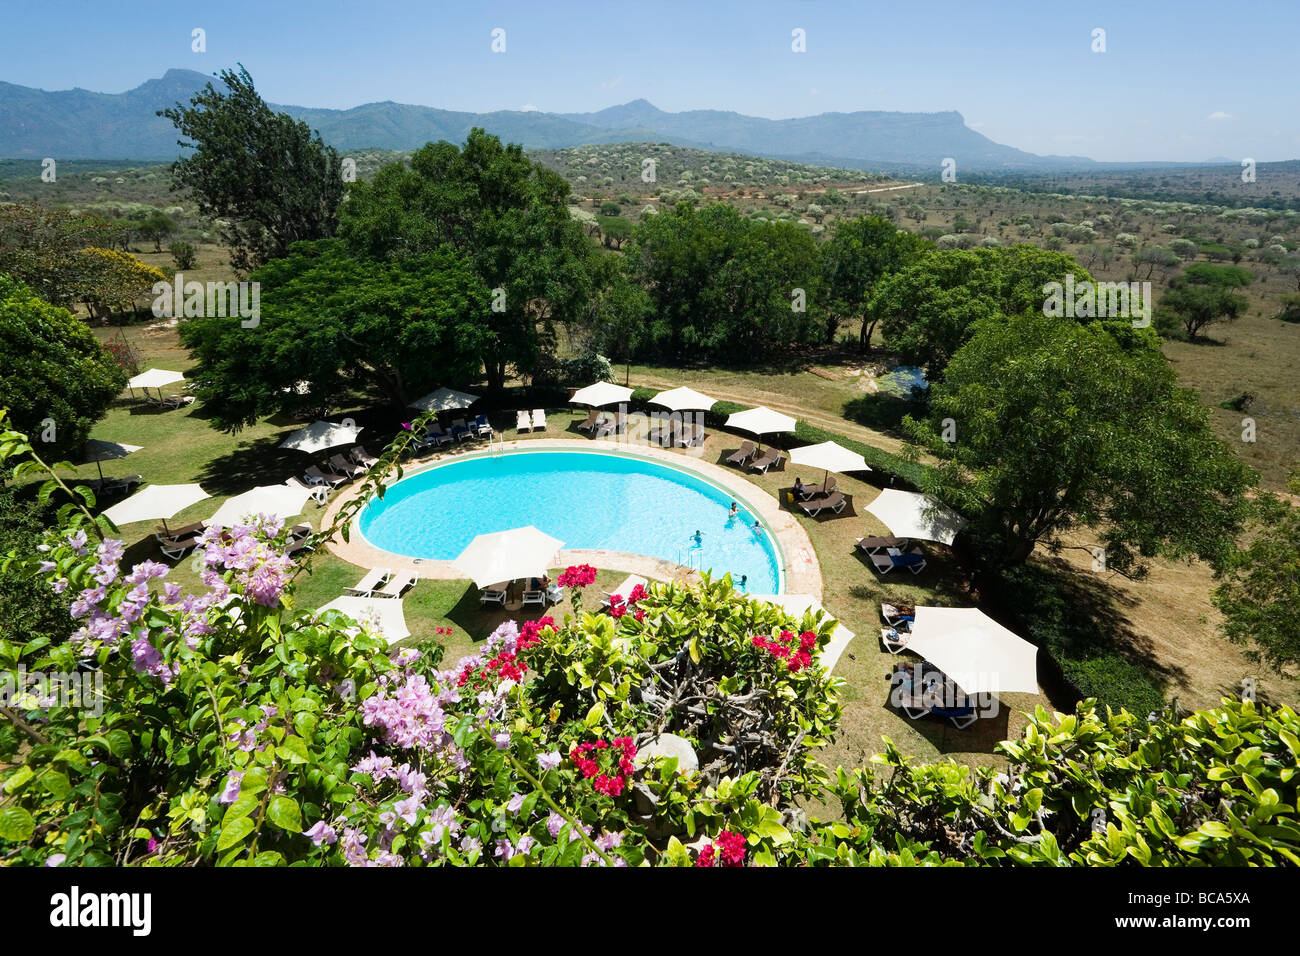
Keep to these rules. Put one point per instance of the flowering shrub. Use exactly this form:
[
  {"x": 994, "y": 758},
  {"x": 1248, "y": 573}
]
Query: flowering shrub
[
  {"x": 233, "y": 729},
  {"x": 577, "y": 576}
]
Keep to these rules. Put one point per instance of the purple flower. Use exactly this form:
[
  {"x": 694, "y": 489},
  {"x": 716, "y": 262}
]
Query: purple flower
[
  {"x": 502, "y": 740},
  {"x": 548, "y": 761},
  {"x": 321, "y": 833},
  {"x": 231, "y": 792},
  {"x": 55, "y": 859},
  {"x": 515, "y": 804}
]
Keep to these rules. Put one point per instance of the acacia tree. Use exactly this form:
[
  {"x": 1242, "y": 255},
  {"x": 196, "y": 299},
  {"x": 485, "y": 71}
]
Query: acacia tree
[
  {"x": 854, "y": 260},
  {"x": 1260, "y": 592},
  {"x": 1060, "y": 424},
  {"x": 266, "y": 174},
  {"x": 506, "y": 216},
  {"x": 1202, "y": 295},
  {"x": 114, "y": 280},
  {"x": 341, "y": 324},
  {"x": 42, "y": 248}
]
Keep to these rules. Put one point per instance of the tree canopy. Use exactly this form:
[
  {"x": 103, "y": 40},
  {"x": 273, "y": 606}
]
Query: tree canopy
[
  {"x": 264, "y": 173},
  {"x": 1060, "y": 424},
  {"x": 42, "y": 247},
  {"x": 1203, "y": 295},
  {"x": 341, "y": 324},
  {"x": 52, "y": 368},
  {"x": 857, "y": 256}
]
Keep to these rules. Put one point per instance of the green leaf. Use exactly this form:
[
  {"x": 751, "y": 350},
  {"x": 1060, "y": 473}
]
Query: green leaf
[
  {"x": 283, "y": 812},
  {"x": 595, "y": 714},
  {"x": 234, "y": 833},
  {"x": 293, "y": 750},
  {"x": 16, "y": 824}
]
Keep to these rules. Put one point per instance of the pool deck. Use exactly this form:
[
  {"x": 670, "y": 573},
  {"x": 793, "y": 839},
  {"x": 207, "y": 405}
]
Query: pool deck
[{"x": 801, "y": 572}]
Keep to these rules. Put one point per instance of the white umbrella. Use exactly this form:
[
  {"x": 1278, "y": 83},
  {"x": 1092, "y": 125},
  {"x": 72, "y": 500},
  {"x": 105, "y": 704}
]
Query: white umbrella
[
  {"x": 155, "y": 501},
  {"x": 281, "y": 501},
  {"x": 444, "y": 400},
  {"x": 761, "y": 421},
  {"x": 911, "y": 515},
  {"x": 602, "y": 393},
  {"x": 797, "y": 605},
  {"x": 976, "y": 652},
  {"x": 320, "y": 435},
  {"x": 98, "y": 450},
  {"x": 154, "y": 378},
  {"x": 383, "y": 614},
  {"x": 506, "y": 555},
  {"x": 682, "y": 399},
  {"x": 829, "y": 457}
]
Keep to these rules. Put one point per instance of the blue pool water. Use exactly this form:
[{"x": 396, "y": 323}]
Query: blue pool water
[{"x": 586, "y": 499}]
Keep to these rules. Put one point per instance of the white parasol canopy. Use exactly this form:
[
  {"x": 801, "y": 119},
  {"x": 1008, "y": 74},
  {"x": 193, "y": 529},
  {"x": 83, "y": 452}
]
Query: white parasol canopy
[
  {"x": 444, "y": 400},
  {"x": 797, "y": 605},
  {"x": 602, "y": 393},
  {"x": 282, "y": 501},
  {"x": 683, "y": 399},
  {"x": 506, "y": 555},
  {"x": 829, "y": 457},
  {"x": 320, "y": 435},
  {"x": 98, "y": 450},
  {"x": 911, "y": 515},
  {"x": 384, "y": 615},
  {"x": 976, "y": 652},
  {"x": 761, "y": 421},
  {"x": 154, "y": 378},
  {"x": 155, "y": 501}
]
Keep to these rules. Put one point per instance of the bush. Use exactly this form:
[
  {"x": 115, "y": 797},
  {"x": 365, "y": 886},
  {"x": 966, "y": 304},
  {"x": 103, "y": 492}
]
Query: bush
[{"x": 183, "y": 254}]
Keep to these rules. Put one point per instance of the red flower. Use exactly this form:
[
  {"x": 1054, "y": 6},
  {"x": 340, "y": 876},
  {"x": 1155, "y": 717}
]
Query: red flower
[
  {"x": 616, "y": 608},
  {"x": 807, "y": 641},
  {"x": 706, "y": 856},
  {"x": 733, "y": 848},
  {"x": 637, "y": 594},
  {"x": 577, "y": 576}
]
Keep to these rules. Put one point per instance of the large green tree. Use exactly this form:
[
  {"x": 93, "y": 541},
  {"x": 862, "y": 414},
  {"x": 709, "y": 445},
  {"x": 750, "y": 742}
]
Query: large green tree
[
  {"x": 1203, "y": 295},
  {"x": 1260, "y": 591},
  {"x": 724, "y": 287},
  {"x": 267, "y": 175},
  {"x": 340, "y": 324},
  {"x": 55, "y": 377},
  {"x": 1043, "y": 424},
  {"x": 861, "y": 252},
  {"x": 506, "y": 216},
  {"x": 42, "y": 247},
  {"x": 927, "y": 309}
]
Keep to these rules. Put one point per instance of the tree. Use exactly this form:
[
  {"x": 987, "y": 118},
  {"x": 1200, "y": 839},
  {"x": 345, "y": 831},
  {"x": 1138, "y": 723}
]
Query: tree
[
  {"x": 505, "y": 215},
  {"x": 156, "y": 227},
  {"x": 926, "y": 309},
  {"x": 619, "y": 311},
  {"x": 859, "y": 253},
  {"x": 1260, "y": 591},
  {"x": 42, "y": 248},
  {"x": 56, "y": 379},
  {"x": 1202, "y": 295},
  {"x": 1061, "y": 424},
  {"x": 266, "y": 174},
  {"x": 392, "y": 328},
  {"x": 183, "y": 254},
  {"x": 29, "y": 610},
  {"x": 1154, "y": 257},
  {"x": 114, "y": 280},
  {"x": 615, "y": 230}
]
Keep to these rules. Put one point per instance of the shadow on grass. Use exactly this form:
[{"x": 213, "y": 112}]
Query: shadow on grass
[
  {"x": 882, "y": 411},
  {"x": 258, "y": 462}
]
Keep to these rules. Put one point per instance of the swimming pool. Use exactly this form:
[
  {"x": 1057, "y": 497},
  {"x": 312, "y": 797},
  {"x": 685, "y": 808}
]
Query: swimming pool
[{"x": 589, "y": 500}]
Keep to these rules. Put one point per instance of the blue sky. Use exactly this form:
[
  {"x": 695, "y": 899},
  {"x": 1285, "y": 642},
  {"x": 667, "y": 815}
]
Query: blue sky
[{"x": 1185, "y": 80}]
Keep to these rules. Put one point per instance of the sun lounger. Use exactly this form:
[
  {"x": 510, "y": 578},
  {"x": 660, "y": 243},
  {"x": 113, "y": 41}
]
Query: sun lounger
[
  {"x": 892, "y": 640},
  {"x": 363, "y": 457},
  {"x": 896, "y": 618},
  {"x": 593, "y": 419},
  {"x": 539, "y": 418},
  {"x": 375, "y": 579},
  {"x": 344, "y": 467},
  {"x": 481, "y": 427},
  {"x": 185, "y": 531},
  {"x": 396, "y": 585},
  {"x": 318, "y": 491},
  {"x": 460, "y": 430},
  {"x": 623, "y": 590},
  {"x": 304, "y": 543},
  {"x": 122, "y": 484},
  {"x": 746, "y": 451},
  {"x": 769, "y": 459},
  {"x": 612, "y": 426},
  {"x": 315, "y": 476},
  {"x": 493, "y": 595},
  {"x": 835, "y": 502},
  {"x": 177, "y": 401},
  {"x": 884, "y": 562},
  {"x": 176, "y": 548},
  {"x": 872, "y": 545},
  {"x": 534, "y": 597},
  {"x": 691, "y": 437},
  {"x": 522, "y": 422},
  {"x": 814, "y": 491}
]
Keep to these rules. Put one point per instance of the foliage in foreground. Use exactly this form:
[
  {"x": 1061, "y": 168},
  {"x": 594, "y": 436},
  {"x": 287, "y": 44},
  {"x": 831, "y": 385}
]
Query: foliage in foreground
[{"x": 233, "y": 730}]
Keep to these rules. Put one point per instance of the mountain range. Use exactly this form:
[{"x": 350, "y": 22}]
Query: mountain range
[{"x": 80, "y": 124}]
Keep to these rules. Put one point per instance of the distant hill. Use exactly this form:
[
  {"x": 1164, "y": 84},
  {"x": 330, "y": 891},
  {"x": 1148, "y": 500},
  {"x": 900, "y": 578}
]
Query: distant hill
[{"x": 80, "y": 124}]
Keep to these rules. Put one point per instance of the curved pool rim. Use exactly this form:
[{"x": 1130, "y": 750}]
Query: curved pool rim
[{"x": 584, "y": 448}]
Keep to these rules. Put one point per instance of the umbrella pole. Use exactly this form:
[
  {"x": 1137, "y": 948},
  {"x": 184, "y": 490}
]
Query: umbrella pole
[{"x": 99, "y": 468}]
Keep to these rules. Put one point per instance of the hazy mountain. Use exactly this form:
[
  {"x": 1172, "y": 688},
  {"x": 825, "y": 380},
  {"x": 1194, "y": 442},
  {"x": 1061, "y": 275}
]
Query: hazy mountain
[{"x": 79, "y": 124}]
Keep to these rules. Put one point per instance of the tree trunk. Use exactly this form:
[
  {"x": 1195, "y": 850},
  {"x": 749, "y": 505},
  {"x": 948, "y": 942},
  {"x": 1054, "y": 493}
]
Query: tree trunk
[{"x": 864, "y": 339}]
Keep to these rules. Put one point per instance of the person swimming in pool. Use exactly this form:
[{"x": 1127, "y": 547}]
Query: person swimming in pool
[
  {"x": 757, "y": 528},
  {"x": 735, "y": 510},
  {"x": 698, "y": 538}
]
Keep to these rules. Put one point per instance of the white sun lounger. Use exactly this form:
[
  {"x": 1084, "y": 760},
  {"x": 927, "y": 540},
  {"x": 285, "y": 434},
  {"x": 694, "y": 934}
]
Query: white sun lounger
[
  {"x": 539, "y": 418},
  {"x": 623, "y": 590},
  {"x": 397, "y": 585},
  {"x": 375, "y": 579},
  {"x": 522, "y": 422}
]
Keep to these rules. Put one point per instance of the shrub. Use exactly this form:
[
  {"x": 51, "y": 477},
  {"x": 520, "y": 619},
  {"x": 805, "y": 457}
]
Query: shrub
[{"x": 183, "y": 254}]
